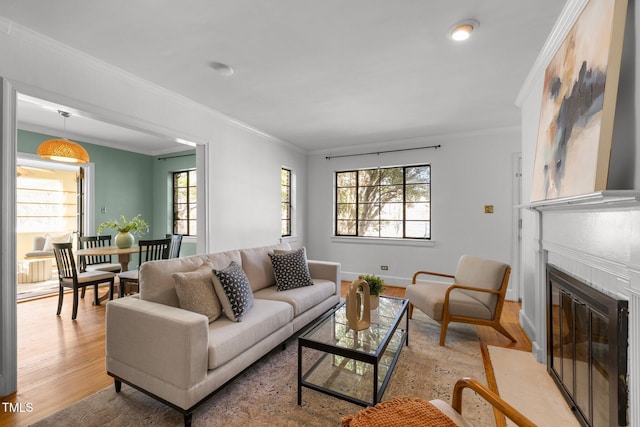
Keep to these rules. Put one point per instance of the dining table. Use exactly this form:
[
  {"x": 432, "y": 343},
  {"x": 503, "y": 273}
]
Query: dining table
[{"x": 124, "y": 256}]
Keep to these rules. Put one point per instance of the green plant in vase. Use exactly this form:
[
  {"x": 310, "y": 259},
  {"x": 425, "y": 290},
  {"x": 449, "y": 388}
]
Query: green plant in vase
[
  {"x": 376, "y": 286},
  {"x": 126, "y": 229}
]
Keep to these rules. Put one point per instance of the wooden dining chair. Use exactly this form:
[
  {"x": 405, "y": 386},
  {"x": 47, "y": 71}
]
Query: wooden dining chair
[
  {"x": 96, "y": 262},
  {"x": 149, "y": 250},
  {"x": 176, "y": 243},
  {"x": 69, "y": 277}
]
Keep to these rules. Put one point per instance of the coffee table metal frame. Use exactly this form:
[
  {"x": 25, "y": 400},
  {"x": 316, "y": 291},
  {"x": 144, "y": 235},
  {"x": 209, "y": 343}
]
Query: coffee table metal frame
[{"x": 305, "y": 340}]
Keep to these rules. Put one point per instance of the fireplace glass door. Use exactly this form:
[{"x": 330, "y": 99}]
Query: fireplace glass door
[{"x": 587, "y": 350}]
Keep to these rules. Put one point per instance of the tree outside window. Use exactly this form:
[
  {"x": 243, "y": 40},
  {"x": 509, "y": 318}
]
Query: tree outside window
[
  {"x": 185, "y": 202},
  {"x": 392, "y": 202}
]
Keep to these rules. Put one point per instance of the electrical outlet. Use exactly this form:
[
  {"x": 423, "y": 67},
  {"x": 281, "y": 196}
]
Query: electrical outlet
[
  {"x": 384, "y": 267},
  {"x": 103, "y": 209},
  {"x": 488, "y": 209}
]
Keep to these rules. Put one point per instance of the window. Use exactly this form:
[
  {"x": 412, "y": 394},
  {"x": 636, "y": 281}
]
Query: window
[
  {"x": 45, "y": 201},
  {"x": 285, "y": 207},
  {"x": 392, "y": 202},
  {"x": 185, "y": 202}
]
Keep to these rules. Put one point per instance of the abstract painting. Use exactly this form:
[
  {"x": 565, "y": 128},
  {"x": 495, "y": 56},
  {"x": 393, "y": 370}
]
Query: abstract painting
[{"x": 578, "y": 105}]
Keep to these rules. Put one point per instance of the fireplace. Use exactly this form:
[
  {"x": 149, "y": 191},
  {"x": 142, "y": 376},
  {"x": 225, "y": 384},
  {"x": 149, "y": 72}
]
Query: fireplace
[{"x": 587, "y": 336}]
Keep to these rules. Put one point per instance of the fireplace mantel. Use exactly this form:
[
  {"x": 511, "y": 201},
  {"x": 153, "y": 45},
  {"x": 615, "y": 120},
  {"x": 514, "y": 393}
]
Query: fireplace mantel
[{"x": 602, "y": 200}]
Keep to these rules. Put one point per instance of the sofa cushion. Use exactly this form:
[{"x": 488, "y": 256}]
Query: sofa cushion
[
  {"x": 301, "y": 299},
  {"x": 257, "y": 266},
  {"x": 228, "y": 339},
  {"x": 233, "y": 290},
  {"x": 156, "y": 283},
  {"x": 195, "y": 292},
  {"x": 429, "y": 298},
  {"x": 290, "y": 269}
]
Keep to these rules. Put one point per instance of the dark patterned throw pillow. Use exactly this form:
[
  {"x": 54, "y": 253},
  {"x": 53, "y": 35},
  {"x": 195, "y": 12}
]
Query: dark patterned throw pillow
[
  {"x": 291, "y": 269},
  {"x": 233, "y": 290}
]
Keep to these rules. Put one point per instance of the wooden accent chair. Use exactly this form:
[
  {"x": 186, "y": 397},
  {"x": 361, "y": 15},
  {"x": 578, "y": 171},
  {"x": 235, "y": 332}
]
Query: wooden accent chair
[
  {"x": 410, "y": 411},
  {"x": 69, "y": 277},
  {"x": 149, "y": 250},
  {"x": 476, "y": 295}
]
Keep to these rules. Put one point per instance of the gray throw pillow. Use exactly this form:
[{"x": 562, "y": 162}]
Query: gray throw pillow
[
  {"x": 232, "y": 287},
  {"x": 291, "y": 269},
  {"x": 195, "y": 292}
]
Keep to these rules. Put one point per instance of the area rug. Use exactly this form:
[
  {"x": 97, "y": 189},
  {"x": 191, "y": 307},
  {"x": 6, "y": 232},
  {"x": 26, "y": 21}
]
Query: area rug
[
  {"x": 266, "y": 393},
  {"x": 526, "y": 385}
]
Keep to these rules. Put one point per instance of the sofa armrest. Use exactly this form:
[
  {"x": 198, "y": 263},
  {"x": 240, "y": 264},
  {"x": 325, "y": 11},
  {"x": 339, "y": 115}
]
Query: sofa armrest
[
  {"x": 325, "y": 270},
  {"x": 165, "y": 342}
]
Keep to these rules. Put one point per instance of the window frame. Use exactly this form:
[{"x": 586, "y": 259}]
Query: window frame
[
  {"x": 358, "y": 203},
  {"x": 286, "y": 205},
  {"x": 175, "y": 204}
]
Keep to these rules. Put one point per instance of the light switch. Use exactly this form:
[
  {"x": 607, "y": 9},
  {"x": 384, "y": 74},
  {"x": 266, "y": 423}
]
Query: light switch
[{"x": 488, "y": 209}]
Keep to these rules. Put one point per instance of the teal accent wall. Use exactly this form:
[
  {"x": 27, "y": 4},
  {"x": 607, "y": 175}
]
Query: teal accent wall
[{"x": 128, "y": 184}]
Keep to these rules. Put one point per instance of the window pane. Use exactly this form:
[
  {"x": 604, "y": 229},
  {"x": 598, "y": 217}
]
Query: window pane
[
  {"x": 192, "y": 178},
  {"x": 347, "y": 195},
  {"x": 346, "y": 179},
  {"x": 369, "y": 228},
  {"x": 368, "y": 194},
  {"x": 368, "y": 177},
  {"x": 391, "y": 211},
  {"x": 368, "y": 211},
  {"x": 193, "y": 194},
  {"x": 391, "y": 229},
  {"x": 347, "y": 211},
  {"x": 391, "y": 193},
  {"x": 181, "y": 195},
  {"x": 193, "y": 228},
  {"x": 418, "y": 174},
  {"x": 193, "y": 209},
  {"x": 417, "y": 211},
  {"x": 346, "y": 228},
  {"x": 391, "y": 176},
  {"x": 418, "y": 192},
  {"x": 285, "y": 227},
  {"x": 181, "y": 227},
  {"x": 418, "y": 229},
  {"x": 284, "y": 177}
]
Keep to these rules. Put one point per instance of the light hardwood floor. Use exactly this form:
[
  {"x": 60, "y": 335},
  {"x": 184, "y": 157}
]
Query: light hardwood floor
[{"x": 61, "y": 361}]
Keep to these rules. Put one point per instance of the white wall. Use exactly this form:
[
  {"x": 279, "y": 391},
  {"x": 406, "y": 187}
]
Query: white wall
[{"x": 467, "y": 172}]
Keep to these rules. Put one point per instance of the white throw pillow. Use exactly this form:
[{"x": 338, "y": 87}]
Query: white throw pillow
[{"x": 57, "y": 238}]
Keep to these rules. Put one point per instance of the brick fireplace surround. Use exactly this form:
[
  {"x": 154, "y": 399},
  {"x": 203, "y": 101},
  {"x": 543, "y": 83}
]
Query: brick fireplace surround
[{"x": 595, "y": 237}]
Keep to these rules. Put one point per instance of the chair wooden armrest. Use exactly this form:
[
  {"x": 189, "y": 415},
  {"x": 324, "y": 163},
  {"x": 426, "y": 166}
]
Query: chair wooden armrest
[
  {"x": 470, "y": 288},
  {"x": 429, "y": 273},
  {"x": 496, "y": 401}
]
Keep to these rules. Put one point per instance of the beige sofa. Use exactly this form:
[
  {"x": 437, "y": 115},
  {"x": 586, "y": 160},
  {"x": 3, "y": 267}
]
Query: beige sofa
[{"x": 181, "y": 359}]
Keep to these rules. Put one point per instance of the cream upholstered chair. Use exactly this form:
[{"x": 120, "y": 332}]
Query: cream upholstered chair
[
  {"x": 476, "y": 295},
  {"x": 414, "y": 411}
]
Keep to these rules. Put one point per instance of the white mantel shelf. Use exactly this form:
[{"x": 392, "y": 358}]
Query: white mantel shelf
[{"x": 608, "y": 199}]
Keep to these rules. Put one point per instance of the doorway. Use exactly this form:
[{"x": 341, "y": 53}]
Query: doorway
[{"x": 49, "y": 208}]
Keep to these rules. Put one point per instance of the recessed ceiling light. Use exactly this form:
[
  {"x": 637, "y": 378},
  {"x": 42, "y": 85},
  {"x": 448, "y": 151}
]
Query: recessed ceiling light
[
  {"x": 222, "y": 69},
  {"x": 462, "y": 30}
]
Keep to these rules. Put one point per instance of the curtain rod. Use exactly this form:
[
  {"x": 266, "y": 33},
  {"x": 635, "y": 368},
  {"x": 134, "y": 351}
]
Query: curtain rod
[
  {"x": 175, "y": 157},
  {"x": 382, "y": 152}
]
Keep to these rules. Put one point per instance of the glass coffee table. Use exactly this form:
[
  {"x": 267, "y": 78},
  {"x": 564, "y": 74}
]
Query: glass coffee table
[{"x": 350, "y": 365}]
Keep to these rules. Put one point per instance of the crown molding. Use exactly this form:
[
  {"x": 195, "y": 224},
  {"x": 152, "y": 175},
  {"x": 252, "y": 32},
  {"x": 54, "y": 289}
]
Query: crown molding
[{"x": 568, "y": 17}]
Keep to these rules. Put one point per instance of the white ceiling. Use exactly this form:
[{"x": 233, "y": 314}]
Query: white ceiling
[{"x": 319, "y": 74}]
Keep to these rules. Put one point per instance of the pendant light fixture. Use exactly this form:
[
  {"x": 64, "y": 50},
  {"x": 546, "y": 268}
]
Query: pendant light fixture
[{"x": 63, "y": 150}]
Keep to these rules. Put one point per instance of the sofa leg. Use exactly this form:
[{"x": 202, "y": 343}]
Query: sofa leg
[
  {"x": 283, "y": 346},
  {"x": 118, "y": 385},
  {"x": 187, "y": 419}
]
